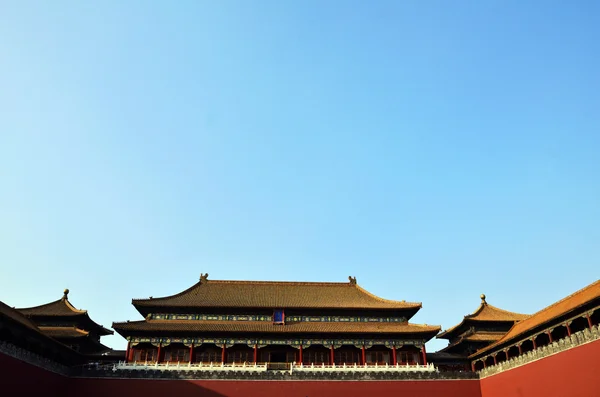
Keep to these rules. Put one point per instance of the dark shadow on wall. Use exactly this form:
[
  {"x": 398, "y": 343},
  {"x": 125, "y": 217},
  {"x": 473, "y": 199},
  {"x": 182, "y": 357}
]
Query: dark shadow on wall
[
  {"x": 230, "y": 388},
  {"x": 79, "y": 387}
]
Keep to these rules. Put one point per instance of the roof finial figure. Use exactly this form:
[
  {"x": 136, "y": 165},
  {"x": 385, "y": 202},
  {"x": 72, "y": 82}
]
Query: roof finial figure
[
  {"x": 203, "y": 277},
  {"x": 352, "y": 280},
  {"x": 66, "y": 293},
  {"x": 483, "y": 299}
]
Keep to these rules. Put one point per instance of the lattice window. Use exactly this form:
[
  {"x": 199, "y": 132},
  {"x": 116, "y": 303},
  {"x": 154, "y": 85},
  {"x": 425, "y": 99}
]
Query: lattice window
[
  {"x": 145, "y": 355},
  {"x": 405, "y": 357},
  {"x": 347, "y": 356},
  {"x": 375, "y": 357},
  {"x": 315, "y": 357},
  {"x": 177, "y": 355},
  {"x": 243, "y": 356},
  {"x": 211, "y": 356}
]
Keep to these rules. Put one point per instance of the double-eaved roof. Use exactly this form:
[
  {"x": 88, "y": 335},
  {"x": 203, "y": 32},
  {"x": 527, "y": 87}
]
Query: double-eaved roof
[
  {"x": 366, "y": 313},
  {"x": 63, "y": 309},
  {"x": 485, "y": 313}
]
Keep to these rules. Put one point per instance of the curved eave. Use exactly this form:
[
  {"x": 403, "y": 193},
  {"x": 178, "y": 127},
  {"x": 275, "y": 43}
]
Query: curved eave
[
  {"x": 257, "y": 327},
  {"x": 358, "y": 299}
]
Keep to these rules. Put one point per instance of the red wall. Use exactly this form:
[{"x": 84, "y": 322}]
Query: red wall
[
  {"x": 572, "y": 373},
  {"x": 181, "y": 388},
  {"x": 21, "y": 379}
]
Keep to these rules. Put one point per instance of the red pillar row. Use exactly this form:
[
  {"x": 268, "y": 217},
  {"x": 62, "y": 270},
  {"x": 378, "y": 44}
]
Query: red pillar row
[
  {"x": 332, "y": 355},
  {"x": 364, "y": 359},
  {"x": 127, "y": 352}
]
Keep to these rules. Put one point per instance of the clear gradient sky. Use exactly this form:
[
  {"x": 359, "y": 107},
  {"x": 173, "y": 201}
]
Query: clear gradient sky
[{"x": 433, "y": 149}]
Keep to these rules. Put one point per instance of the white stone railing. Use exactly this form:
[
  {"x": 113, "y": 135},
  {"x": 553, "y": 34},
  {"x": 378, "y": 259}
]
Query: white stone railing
[
  {"x": 566, "y": 343},
  {"x": 264, "y": 367},
  {"x": 189, "y": 367},
  {"x": 33, "y": 359},
  {"x": 362, "y": 368}
]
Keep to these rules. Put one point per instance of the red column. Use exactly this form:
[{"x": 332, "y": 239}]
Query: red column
[
  {"x": 364, "y": 356},
  {"x": 473, "y": 366},
  {"x": 520, "y": 350},
  {"x": 424, "y": 355},
  {"x": 550, "y": 336},
  {"x": 534, "y": 344},
  {"x": 394, "y": 360},
  {"x": 589, "y": 320},
  {"x": 131, "y": 355},
  {"x": 484, "y": 363},
  {"x": 192, "y": 353},
  {"x": 255, "y": 353},
  {"x": 332, "y": 355},
  {"x": 568, "y": 329},
  {"x": 506, "y": 354},
  {"x": 300, "y": 355},
  {"x": 158, "y": 353},
  {"x": 127, "y": 352},
  {"x": 495, "y": 362},
  {"x": 223, "y": 354}
]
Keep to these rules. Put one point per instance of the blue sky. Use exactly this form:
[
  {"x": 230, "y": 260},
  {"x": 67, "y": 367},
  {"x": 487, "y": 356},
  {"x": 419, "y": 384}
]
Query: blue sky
[{"x": 435, "y": 150}]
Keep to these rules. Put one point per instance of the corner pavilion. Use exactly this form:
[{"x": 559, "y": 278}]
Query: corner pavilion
[{"x": 217, "y": 321}]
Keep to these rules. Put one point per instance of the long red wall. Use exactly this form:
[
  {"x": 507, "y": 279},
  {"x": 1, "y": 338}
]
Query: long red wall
[
  {"x": 572, "y": 373},
  {"x": 181, "y": 388},
  {"x": 21, "y": 379}
]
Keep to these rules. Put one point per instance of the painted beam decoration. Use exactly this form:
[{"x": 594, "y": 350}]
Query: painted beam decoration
[
  {"x": 229, "y": 342},
  {"x": 245, "y": 317}
]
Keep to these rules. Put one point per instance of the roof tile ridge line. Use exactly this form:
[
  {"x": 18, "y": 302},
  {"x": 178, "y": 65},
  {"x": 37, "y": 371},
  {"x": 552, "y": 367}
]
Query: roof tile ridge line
[
  {"x": 589, "y": 286},
  {"x": 372, "y": 295},
  {"x": 506, "y": 311},
  {"x": 185, "y": 291},
  {"x": 311, "y": 283},
  {"x": 39, "y": 306},
  {"x": 73, "y": 308}
]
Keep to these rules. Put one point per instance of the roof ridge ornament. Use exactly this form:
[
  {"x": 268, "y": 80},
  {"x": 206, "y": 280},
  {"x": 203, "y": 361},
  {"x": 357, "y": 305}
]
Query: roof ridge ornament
[
  {"x": 65, "y": 294},
  {"x": 352, "y": 280},
  {"x": 203, "y": 277},
  {"x": 482, "y": 296}
]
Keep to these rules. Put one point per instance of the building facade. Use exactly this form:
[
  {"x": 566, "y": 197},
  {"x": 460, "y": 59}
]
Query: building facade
[{"x": 306, "y": 323}]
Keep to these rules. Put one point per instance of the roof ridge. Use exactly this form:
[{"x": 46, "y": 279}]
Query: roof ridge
[
  {"x": 566, "y": 297},
  {"x": 372, "y": 295},
  {"x": 66, "y": 302}
]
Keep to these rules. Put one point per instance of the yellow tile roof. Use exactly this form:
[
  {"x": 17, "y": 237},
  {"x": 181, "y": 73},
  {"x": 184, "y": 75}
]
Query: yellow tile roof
[{"x": 274, "y": 294}]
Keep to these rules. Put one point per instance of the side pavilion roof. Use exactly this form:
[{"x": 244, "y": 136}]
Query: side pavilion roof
[
  {"x": 484, "y": 313},
  {"x": 63, "y": 308}
]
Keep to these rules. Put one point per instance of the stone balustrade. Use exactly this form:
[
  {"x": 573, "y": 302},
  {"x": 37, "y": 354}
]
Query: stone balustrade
[
  {"x": 15, "y": 352},
  {"x": 190, "y": 367},
  {"x": 569, "y": 342},
  {"x": 220, "y": 367},
  {"x": 362, "y": 368}
]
